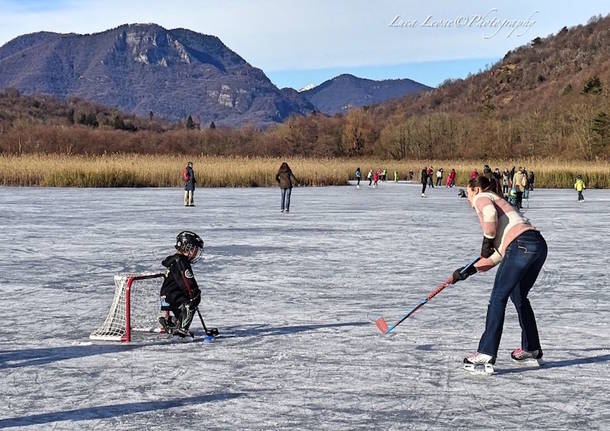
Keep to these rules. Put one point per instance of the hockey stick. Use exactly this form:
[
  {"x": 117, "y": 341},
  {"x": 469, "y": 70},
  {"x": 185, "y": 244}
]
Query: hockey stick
[
  {"x": 383, "y": 325},
  {"x": 212, "y": 332}
]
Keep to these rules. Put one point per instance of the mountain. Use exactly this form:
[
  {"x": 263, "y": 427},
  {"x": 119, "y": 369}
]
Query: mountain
[
  {"x": 141, "y": 68},
  {"x": 307, "y": 87},
  {"x": 543, "y": 74},
  {"x": 347, "y": 91}
]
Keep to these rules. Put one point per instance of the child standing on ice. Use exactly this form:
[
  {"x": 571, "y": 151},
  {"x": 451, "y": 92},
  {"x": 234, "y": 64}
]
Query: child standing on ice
[
  {"x": 520, "y": 249},
  {"x": 451, "y": 178},
  {"x": 180, "y": 290},
  {"x": 579, "y": 185}
]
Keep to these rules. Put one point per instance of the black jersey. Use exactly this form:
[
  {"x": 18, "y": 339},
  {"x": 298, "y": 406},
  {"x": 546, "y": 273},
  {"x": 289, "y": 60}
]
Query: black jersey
[{"x": 180, "y": 286}]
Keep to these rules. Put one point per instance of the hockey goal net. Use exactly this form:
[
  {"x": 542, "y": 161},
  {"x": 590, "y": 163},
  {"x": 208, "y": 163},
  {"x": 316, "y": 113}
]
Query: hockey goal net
[{"x": 135, "y": 308}]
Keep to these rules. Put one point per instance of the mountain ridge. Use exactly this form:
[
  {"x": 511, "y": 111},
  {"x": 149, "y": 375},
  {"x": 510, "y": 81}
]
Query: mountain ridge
[
  {"x": 144, "y": 67},
  {"x": 347, "y": 91}
]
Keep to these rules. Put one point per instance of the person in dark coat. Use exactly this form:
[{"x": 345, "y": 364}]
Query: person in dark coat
[
  {"x": 286, "y": 181},
  {"x": 424, "y": 181},
  {"x": 189, "y": 185},
  {"x": 530, "y": 181},
  {"x": 487, "y": 172}
]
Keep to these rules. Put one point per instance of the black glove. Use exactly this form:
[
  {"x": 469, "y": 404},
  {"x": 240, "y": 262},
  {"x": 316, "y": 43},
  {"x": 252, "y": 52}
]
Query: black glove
[
  {"x": 487, "y": 249},
  {"x": 461, "y": 274},
  {"x": 194, "y": 302}
]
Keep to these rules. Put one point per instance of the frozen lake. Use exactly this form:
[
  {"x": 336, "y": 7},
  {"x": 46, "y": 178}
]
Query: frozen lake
[{"x": 293, "y": 295}]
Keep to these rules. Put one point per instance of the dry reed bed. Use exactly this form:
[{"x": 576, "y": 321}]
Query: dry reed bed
[{"x": 130, "y": 170}]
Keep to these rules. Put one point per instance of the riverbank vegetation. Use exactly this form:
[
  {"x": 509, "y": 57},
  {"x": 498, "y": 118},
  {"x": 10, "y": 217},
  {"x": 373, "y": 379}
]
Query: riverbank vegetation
[{"x": 140, "y": 170}]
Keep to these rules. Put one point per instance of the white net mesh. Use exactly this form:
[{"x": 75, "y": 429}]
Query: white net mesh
[{"x": 141, "y": 292}]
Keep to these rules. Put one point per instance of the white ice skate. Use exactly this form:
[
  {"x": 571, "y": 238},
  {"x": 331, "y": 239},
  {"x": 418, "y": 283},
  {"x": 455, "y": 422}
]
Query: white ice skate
[
  {"x": 479, "y": 363},
  {"x": 526, "y": 358}
]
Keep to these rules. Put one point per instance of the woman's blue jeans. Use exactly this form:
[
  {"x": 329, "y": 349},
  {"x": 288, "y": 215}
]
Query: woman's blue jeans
[
  {"x": 286, "y": 199},
  {"x": 515, "y": 277}
]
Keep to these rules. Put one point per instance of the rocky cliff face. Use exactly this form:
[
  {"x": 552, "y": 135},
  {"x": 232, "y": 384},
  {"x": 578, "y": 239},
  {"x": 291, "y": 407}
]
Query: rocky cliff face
[{"x": 142, "y": 68}]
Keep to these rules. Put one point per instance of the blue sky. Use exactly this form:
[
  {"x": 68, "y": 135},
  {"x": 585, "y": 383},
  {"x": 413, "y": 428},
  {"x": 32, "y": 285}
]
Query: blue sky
[{"x": 302, "y": 42}]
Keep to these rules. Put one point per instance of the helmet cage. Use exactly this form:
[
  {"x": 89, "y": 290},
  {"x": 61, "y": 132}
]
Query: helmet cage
[{"x": 190, "y": 245}]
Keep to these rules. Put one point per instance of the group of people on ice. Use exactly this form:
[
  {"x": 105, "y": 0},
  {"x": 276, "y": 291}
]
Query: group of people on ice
[
  {"x": 374, "y": 177},
  {"x": 516, "y": 183},
  {"x": 427, "y": 175}
]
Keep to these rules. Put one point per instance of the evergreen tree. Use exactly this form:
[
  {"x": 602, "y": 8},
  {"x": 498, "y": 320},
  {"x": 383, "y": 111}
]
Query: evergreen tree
[
  {"x": 92, "y": 120},
  {"x": 190, "y": 124},
  {"x": 601, "y": 127},
  {"x": 118, "y": 123},
  {"x": 82, "y": 118}
]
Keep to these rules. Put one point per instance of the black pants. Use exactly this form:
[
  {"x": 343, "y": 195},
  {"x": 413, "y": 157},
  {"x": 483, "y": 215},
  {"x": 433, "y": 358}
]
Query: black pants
[
  {"x": 580, "y": 196},
  {"x": 519, "y": 199},
  {"x": 438, "y": 181},
  {"x": 423, "y": 188}
]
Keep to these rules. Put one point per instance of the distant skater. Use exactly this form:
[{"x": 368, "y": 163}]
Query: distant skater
[
  {"x": 358, "y": 176},
  {"x": 188, "y": 175},
  {"x": 369, "y": 177},
  {"x": 424, "y": 181},
  {"x": 519, "y": 183},
  {"x": 505, "y": 182},
  {"x": 530, "y": 181},
  {"x": 451, "y": 178},
  {"x": 439, "y": 177},
  {"x": 579, "y": 185},
  {"x": 286, "y": 181}
]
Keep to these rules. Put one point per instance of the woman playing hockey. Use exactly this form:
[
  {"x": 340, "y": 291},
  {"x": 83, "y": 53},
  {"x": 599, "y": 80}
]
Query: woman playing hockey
[
  {"x": 510, "y": 240},
  {"x": 180, "y": 290}
]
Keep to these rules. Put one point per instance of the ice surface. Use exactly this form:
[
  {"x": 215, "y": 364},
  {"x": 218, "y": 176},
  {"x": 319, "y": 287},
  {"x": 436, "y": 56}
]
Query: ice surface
[{"x": 294, "y": 295}]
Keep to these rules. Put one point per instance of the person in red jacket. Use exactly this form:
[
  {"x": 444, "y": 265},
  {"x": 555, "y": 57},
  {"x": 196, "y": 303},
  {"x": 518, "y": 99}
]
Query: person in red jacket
[{"x": 451, "y": 178}]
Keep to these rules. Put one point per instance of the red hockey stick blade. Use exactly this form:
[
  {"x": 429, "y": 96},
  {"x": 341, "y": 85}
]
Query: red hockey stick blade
[{"x": 382, "y": 325}]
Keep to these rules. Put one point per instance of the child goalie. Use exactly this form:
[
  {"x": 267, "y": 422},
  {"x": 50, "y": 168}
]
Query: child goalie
[{"x": 180, "y": 293}]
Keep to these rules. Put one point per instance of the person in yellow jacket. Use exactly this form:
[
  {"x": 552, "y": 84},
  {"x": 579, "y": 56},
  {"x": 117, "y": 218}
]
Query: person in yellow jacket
[{"x": 579, "y": 185}]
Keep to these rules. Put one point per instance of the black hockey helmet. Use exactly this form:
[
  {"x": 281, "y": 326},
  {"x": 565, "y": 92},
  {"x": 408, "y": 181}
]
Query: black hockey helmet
[{"x": 190, "y": 244}]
